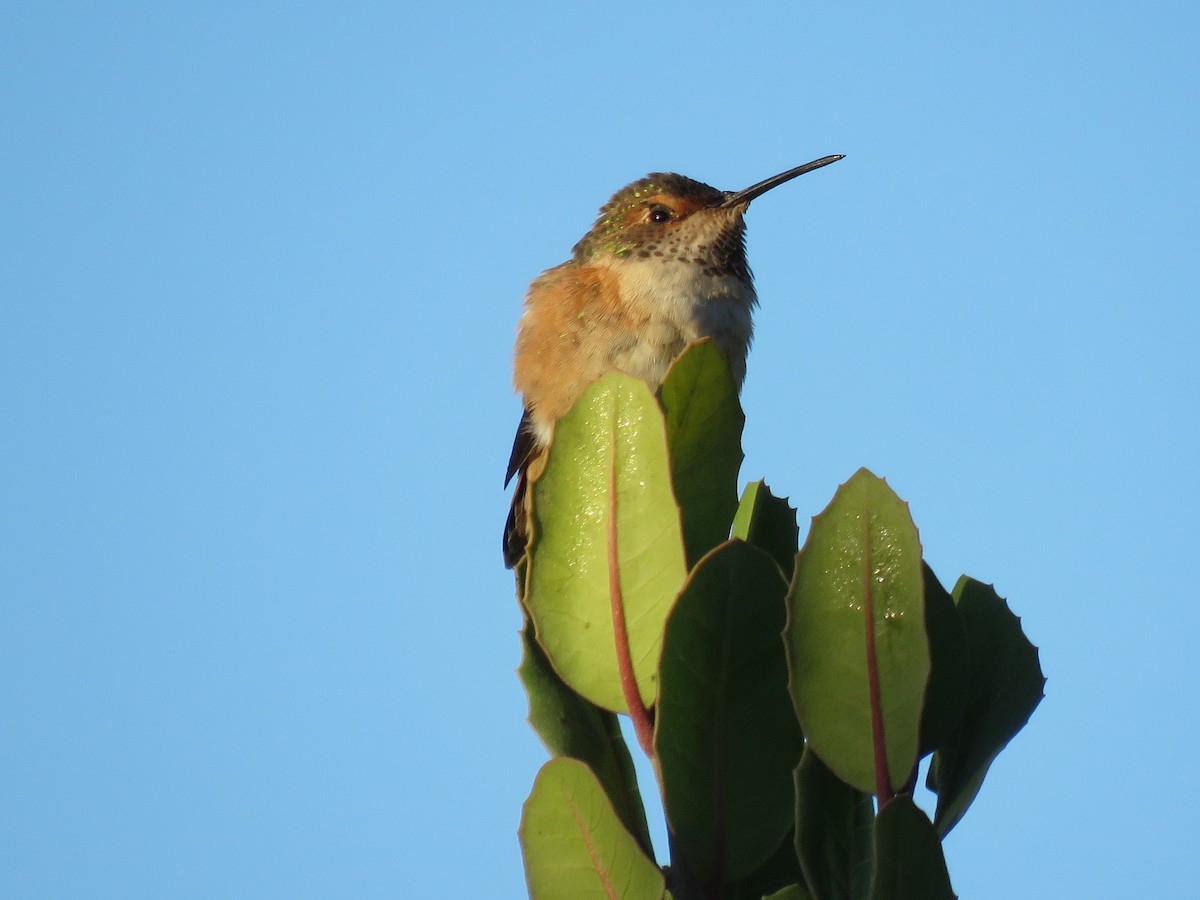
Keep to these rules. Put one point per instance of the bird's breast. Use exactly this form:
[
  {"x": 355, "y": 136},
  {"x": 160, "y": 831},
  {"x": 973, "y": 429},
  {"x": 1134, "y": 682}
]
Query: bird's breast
[{"x": 673, "y": 303}]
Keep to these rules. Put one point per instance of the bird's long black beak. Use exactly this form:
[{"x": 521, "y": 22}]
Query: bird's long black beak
[{"x": 775, "y": 180}]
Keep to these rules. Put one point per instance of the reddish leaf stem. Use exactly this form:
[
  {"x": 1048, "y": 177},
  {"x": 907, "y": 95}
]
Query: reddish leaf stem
[
  {"x": 642, "y": 725},
  {"x": 585, "y": 832},
  {"x": 883, "y": 783}
]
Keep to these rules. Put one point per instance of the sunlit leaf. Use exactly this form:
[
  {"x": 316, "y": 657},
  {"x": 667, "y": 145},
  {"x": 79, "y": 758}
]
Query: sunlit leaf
[
  {"x": 607, "y": 548},
  {"x": 858, "y": 651},
  {"x": 574, "y": 845}
]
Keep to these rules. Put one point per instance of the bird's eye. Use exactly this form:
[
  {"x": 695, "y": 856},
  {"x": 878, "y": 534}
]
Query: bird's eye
[{"x": 660, "y": 213}]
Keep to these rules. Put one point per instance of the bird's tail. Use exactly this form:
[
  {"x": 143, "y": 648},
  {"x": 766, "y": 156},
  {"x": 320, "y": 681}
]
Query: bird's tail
[{"x": 516, "y": 531}]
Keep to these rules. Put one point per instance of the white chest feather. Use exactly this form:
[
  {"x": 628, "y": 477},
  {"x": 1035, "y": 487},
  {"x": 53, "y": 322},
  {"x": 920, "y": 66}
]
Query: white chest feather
[{"x": 678, "y": 304}]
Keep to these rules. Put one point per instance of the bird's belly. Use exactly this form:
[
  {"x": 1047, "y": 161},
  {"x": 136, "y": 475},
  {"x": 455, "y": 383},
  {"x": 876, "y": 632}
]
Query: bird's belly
[{"x": 648, "y": 354}]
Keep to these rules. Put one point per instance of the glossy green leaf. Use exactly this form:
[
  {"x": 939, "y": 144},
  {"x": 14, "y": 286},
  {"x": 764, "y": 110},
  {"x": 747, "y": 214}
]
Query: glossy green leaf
[
  {"x": 704, "y": 432},
  {"x": 574, "y": 845},
  {"x": 607, "y": 546},
  {"x": 949, "y": 672},
  {"x": 909, "y": 864},
  {"x": 834, "y": 832},
  {"x": 1005, "y": 687},
  {"x": 726, "y": 738},
  {"x": 769, "y": 523},
  {"x": 571, "y": 726},
  {"x": 858, "y": 651}
]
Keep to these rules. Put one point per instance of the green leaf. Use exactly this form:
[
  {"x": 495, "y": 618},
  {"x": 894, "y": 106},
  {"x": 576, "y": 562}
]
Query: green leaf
[
  {"x": 858, "y": 652},
  {"x": 704, "y": 432},
  {"x": 571, "y": 726},
  {"x": 908, "y": 856},
  {"x": 607, "y": 547},
  {"x": 769, "y": 523},
  {"x": 1005, "y": 687},
  {"x": 791, "y": 892},
  {"x": 726, "y": 739},
  {"x": 949, "y": 672},
  {"x": 574, "y": 845},
  {"x": 780, "y": 870},
  {"x": 834, "y": 838}
]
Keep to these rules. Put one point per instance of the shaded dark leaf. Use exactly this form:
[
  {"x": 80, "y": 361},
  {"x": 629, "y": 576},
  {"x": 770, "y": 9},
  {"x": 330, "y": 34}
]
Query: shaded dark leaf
[
  {"x": 571, "y": 726},
  {"x": 704, "y": 432},
  {"x": 726, "y": 737},
  {"x": 949, "y": 670},
  {"x": 908, "y": 855},
  {"x": 834, "y": 837},
  {"x": 769, "y": 523},
  {"x": 1005, "y": 687},
  {"x": 781, "y": 869}
]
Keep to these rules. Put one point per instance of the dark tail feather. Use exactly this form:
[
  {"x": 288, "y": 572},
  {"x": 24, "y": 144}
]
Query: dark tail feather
[
  {"x": 516, "y": 535},
  {"x": 523, "y": 449}
]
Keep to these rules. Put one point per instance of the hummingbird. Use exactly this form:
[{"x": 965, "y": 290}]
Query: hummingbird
[{"x": 663, "y": 266}]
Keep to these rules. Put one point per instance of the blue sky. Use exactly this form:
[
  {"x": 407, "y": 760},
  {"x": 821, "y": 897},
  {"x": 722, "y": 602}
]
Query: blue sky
[{"x": 261, "y": 266}]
